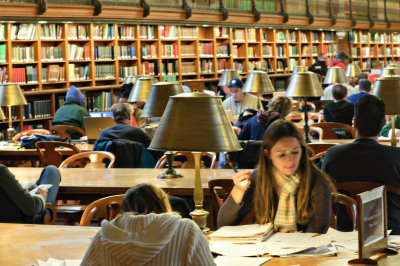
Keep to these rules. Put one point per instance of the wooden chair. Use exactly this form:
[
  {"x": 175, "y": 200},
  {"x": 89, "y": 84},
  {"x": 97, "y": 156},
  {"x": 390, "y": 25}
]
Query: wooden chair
[
  {"x": 52, "y": 217},
  {"x": 329, "y": 133},
  {"x": 319, "y": 147},
  {"x": 62, "y": 131},
  {"x": 91, "y": 159},
  {"x": 296, "y": 105},
  {"x": 30, "y": 132},
  {"x": 316, "y": 130},
  {"x": 48, "y": 153},
  {"x": 299, "y": 117},
  {"x": 354, "y": 188},
  {"x": 318, "y": 155},
  {"x": 111, "y": 205},
  {"x": 349, "y": 203},
  {"x": 219, "y": 191},
  {"x": 189, "y": 163}
]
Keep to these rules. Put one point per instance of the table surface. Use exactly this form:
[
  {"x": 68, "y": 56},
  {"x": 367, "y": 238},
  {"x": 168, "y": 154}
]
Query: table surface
[
  {"x": 25, "y": 244},
  {"x": 14, "y": 150}
]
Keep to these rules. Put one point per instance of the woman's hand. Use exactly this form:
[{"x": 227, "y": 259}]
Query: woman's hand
[
  {"x": 42, "y": 192},
  {"x": 242, "y": 183}
]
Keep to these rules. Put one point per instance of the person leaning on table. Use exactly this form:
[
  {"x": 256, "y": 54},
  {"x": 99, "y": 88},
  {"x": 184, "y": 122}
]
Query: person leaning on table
[
  {"x": 286, "y": 189},
  {"x": 148, "y": 233}
]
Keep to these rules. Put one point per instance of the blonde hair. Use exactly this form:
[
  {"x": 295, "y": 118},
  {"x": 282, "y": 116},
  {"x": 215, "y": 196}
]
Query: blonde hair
[{"x": 264, "y": 205}]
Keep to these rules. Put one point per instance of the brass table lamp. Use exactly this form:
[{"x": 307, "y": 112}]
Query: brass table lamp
[
  {"x": 303, "y": 85},
  {"x": 195, "y": 122},
  {"x": 131, "y": 79},
  {"x": 297, "y": 69},
  {"x": 141, "y": 89},
  {"x": 10, "y": 95},
  {"x": 353, "y": 70},
  {"x": 258, "y": 82},
  {"x": 335, "y": 75},
  {"x": 390, "y": 71},
  {"x": 155, "y": 106},
  {"x": 388, "y": 90},
  {"x": 227, "y": 76}
]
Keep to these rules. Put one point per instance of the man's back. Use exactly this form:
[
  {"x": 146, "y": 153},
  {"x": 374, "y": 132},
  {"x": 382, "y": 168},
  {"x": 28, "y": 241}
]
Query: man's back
[{"x": 365, "y": 160}]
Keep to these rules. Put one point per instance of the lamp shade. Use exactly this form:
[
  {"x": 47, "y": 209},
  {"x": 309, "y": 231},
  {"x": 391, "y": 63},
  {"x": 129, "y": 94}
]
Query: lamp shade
[
  {"x": 335, "y": 75},
  {"x": 141, "y": 89},
  {"x": 132, "y": 79},
  {"x": 11, "y": 94},
  {"x": 258, "y": 81},
  {"x": 159, "y": 96},
  {"x": 299, "y": 69},
  {"x": 388, "y": 90},
  {"x": 390, "y": 71},
  {"x": 353, "y": 70},
  {"x": 227, "y": 76},
  {"x": 304, "y": 84},
  {"x": 2, "y": 116},
  {"x": 195, "y": 122}
]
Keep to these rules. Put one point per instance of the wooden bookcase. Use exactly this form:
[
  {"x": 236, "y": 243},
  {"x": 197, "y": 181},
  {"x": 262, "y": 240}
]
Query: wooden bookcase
[
  {"x": 374, "y": 49},
  {"x": 47, "y": 58}
]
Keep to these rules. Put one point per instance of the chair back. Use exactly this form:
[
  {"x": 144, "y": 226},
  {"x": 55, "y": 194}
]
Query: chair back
[
  {"x": 189, "y": 163},
  {"x": 48, "y": 153},
  {"x": 91, "y": 159},
  {"x": 319, "y": 147},
  {"x": 50, "y": 218},
  {"x": 354, "y": 188},
  {"x": 219, "y": 191},
  {"x": 63, "y": 131},
  {"x": 318, "y": 155},
  {"x": 329, "y": 129},
  {"x": 248, "y": 157},
  {"x": 110, "y": 207},
  {"x": 317, "y": 130},
  {"x": 30, "y": 132},
  {"x": 349, "y": 203}
]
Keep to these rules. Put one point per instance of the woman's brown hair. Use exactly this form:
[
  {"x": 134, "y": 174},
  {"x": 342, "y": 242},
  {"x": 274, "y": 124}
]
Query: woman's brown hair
[
  {"x": 264, "y": 205},
  {"x": 145, "y": 199}
]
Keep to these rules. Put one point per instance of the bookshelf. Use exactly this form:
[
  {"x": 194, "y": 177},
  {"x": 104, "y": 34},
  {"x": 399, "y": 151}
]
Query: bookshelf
[
  {"x": 374, "y": 49},
  {"x": 47, "y": 58}
]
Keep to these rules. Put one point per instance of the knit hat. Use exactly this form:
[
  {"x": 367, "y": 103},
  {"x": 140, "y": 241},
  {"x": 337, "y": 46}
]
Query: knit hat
[
  {"x": 75, "y": 94},
  {"x": 236, "y": 83}
]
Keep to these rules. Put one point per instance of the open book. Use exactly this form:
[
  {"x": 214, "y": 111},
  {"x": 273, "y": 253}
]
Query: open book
[{"x": 33, "y": 188}]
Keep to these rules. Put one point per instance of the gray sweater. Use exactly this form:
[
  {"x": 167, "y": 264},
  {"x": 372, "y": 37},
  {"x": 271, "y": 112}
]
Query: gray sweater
[{"x": 233, "y": 214}]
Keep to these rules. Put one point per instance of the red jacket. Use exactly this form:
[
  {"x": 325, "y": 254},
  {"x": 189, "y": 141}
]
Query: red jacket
[{"x": 338, "y": 63}]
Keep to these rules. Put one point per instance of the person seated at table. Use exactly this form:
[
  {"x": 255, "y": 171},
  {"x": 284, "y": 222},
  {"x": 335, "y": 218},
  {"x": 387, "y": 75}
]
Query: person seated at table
[
  {"x": 148, "y": 233},
  {"x": 18, "y": 205},
  {"x": 286, "y": 189},
  {"x": 122, "y": 115},
  {"x": 364, "y": 88},
  {"x": 254, "y": 129},
  {"x": 72, "y": 112},
  {"x": 124, "y": 92},
  {"x": 387, "y": 129},
  {"x": 238, "y": 101},
  {"x": 341, "y": 110}
]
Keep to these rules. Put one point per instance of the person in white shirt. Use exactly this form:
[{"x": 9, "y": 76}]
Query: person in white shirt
[
  {"x": 239, "y": 101},
  {"x": 328, "y": 91}
]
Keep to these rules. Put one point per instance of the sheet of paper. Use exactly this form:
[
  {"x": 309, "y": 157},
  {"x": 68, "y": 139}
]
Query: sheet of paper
[
  {"x": 241, "y": 230},
  {"x": 55, "y": 262},
  {"x": 239, "y": 261},
  {"x": 44, "y": 186},
  {"x": 238, "y": 250}
]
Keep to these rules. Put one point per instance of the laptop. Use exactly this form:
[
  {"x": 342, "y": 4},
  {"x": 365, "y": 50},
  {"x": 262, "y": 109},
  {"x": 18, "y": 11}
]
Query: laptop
[
  {"x": 101, "y": 114},
  {"x": 94, "y": 126}
]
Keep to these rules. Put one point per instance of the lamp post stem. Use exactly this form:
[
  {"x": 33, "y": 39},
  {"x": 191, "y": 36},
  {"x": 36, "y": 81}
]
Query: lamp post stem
[
  {"x": 306, "y": 127},
  {"x": 199, "y": 215},
  {"x": 393, "y": 140},
  {"x": 10, "y": 130}
]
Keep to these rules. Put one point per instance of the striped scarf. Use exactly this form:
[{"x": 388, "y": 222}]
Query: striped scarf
[{"x": 285, "y": 218}]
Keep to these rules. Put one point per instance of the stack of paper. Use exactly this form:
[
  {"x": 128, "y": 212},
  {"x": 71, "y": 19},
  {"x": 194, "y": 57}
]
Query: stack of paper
[
  {"x": 240, "y": 261},
  {"x": 54, "y": 262}
]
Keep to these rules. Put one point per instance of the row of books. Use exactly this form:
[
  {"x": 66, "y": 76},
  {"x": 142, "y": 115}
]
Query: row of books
[
  {"x": 188, "y": 32},
  {"x": 126, "y": 52},
  {"x": 76, "y": 52},
  {"x": 365, "y": 64},
  {"x": 77, "y": 32},
  {"x": 168, "y": 78},
  {"x": 149, "y": 51},
  {"x": 238, "y": 35},
  {"x": 126, "y": 32},
  {"x": 223, "y": 49},
  {"x": 3, "y": 74},
  {"x": 53, "y": 73},
  {"x": 169, "y": 50},
  {"x": 251, "y": 35},
  {"x": 251, "y": 51},
  {"x": 103, "y": 31},
  {"x": 78, "y": 72},
  {"x": 100, "y": 102},
  {"x": 150, "y": 68},
  {"x": 24, "y": 75},
  {"x": 222, "y": 64},
  {"x": 206, "y": 49},
  {"x": 23, "y": 54},
  {"x": 377, "y": 63},
  {"x": 188, "y": 67},
  {"x": 170, "y": 67},
  {"x": 254, "y": 65},
  {"x": 328, "y": 49},
  {"x": 13, "y": 112},
  {"x": 125, "y": 71},
  {"x": 293, "y": 63},
  {"x": 238, "y": 66},
  {"x": 281, "y": 51},
  {"x": 50, "y": 31},
  {"x": 268, "y": 64},
  {"x": 378, "y": 38},
  {"x": 52, "y": 54},
  {"x": 2, "y": 53},
  {"x": 3, "y": 29},
  {"x": 23, "y": 32},
  {"x": 206, "y": 66},
  {"x": 293, "y": 50},
  {"x": 104, "y": 52},
  {"x": 267, "y": 50},
  {"x": 221, "y": 32},
  {"x": 146, "y": 32},
  {"x": 188, "y": 50},
  {"x": 104, "y": 71},
  {"x": 303, "y": 37},
  {"x": 169, "y": 32},
  {"x": 37, "y": 109},
  {"x": 281, "y": 65}
]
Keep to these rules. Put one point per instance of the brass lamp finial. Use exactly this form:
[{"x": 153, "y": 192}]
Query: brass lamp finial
[
  {"x": 335, "y": 75},
  {"x": 141, "y": 89},
  {"x": 227, "y": 76},
  {"x": 258, "y": 82}
]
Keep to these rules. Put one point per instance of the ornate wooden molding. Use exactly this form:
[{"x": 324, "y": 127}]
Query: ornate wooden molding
[
  {"x": 308, "y": 13},
  {"x": 187, "y": 8},
  {"x": 98, "y": 7},
  {"x": 331, "y": 15},
  {"x": 371, "y": 20},
  {"x": 254, "y": 10},
  {"x": 42, "y": 6},
  {"x": 284, "y": 13},
  {"x": 388, "y": 22},
  {"x": 146, "y": 8},
  {"x": 353, "y": 20},
  {"x": 224, "y": 11}
]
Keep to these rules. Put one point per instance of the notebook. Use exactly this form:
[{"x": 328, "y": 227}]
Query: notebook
[{"x": 94, "y": 126}]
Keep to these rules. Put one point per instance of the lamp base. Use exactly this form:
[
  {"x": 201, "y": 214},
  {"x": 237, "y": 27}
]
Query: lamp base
[
  {"x": 10, "y": 134},
  {"x": 169, "y": 175},
  {"x": 199, "y": 216},
  {"x": 170, "y": 172}
]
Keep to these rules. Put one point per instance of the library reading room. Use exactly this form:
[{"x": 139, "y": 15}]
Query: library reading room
[{"x": 199, "y": 132}]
